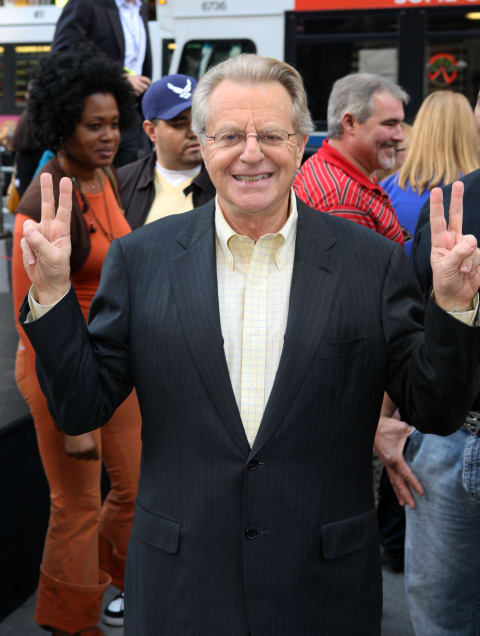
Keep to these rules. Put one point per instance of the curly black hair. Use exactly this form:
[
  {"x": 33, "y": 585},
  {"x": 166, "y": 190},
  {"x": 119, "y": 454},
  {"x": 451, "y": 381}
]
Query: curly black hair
[{"x": 60, "y": 85}]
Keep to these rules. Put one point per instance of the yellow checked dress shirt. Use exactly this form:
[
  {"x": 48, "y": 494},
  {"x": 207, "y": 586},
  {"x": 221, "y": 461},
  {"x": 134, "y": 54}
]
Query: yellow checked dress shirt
[{"x": 254, "y": 281}]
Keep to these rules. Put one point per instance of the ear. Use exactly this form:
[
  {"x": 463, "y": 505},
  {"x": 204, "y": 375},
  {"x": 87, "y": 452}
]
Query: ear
[
  {"x": 349, "y": 123},
  {"x": 300, "y": 150},
  {"x": 150, "y": 130}
]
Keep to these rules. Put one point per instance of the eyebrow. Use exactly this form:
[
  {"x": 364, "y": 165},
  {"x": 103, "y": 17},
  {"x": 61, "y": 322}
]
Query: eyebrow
[{"x": 96, "y": 117}]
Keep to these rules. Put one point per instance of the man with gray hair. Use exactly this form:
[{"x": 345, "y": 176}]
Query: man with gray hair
[
  {"x": 260, "y": 337},
  {"x": 365, "y": 112}
]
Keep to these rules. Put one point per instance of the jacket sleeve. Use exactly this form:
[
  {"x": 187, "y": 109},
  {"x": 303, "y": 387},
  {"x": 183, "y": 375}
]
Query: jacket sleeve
[
  {"x": 85, "y": 373},
  {"x": 433, "y": 376},
  {"x": 20, "y": 281},
  {"x": 73, "y": 25}
]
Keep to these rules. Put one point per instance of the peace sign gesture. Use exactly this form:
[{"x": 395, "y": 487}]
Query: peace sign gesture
[
  {"x": 46, "y": 245},
  {"x": 455, "y": 258}
]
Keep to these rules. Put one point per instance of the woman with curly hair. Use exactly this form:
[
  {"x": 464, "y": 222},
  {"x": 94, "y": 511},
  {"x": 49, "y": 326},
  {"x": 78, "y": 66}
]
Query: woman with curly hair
[{"x": 78, "y": 104}]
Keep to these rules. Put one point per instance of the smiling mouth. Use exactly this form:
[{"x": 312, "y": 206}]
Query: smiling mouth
[{"x": 253, "y": 178}]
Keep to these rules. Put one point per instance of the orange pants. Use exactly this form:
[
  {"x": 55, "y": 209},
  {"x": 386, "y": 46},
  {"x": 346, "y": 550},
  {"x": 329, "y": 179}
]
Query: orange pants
[{"x": 86, "y": 543}]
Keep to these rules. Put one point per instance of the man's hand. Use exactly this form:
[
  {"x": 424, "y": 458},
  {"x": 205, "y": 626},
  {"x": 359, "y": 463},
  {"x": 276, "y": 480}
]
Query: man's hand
[
  {"x": 455, "y": 258},
  {"x": 139, "y": 83},
  {"x": 389, "y": 443},
  {"x": 80, "y": 446},
  {"x": 46, "y": 245}
]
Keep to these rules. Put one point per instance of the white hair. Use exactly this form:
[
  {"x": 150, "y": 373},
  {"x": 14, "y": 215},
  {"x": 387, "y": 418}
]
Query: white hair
[{"x": 252, "y": 69}]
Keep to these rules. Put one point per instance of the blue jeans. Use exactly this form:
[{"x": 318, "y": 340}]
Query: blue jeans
[{"x": 442, "y": 549}]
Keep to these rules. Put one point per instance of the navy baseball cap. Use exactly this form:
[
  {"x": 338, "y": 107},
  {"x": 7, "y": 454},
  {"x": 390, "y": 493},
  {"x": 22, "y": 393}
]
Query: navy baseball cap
[{"x": 168, "y": 97}]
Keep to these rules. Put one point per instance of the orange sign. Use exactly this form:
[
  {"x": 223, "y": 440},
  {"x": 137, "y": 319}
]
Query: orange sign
[{"x": 330, "y": 5}]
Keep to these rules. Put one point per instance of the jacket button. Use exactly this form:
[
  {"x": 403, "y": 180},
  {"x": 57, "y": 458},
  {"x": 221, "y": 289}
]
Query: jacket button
[
  {"x": 251, "y": 533},
  {"x": 253, "y": 464}
]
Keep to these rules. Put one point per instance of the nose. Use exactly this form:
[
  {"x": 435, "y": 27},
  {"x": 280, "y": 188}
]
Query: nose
[
  {"x": 109, "y": 132},
  {"x": 398, "y": 133},
  {"x": 252, "y": 151}
]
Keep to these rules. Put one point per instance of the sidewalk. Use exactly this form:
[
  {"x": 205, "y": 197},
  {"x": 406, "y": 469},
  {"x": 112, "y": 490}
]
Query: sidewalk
[
  {"x": 396, "y": 621},
  {"x": 21, "y": 623}
]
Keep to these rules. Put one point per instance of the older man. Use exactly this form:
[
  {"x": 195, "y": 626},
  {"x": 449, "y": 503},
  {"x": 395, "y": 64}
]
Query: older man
[
  {"x": 365, "y": 113},
  {"x": 260, "y": 336}
]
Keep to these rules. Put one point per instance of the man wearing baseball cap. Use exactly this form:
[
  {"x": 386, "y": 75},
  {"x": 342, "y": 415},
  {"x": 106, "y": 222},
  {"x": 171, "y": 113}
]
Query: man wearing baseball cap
[{"x": 173, "y": 178}]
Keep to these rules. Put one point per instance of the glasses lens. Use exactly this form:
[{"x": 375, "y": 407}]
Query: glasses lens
[
  {"x": 273, "y": 137},
  {"x": 230, "y": 138}
]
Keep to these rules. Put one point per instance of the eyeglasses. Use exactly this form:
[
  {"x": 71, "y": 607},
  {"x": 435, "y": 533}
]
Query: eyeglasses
[{"x": 234, "y": 138}]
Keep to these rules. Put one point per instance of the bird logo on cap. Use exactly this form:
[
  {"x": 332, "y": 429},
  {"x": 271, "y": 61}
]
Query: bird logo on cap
[{"x": 185, "y": 92}]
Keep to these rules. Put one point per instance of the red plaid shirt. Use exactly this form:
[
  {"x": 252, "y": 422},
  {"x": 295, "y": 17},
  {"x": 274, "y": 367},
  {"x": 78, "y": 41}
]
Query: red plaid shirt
[{"x": 330, "y": 183}]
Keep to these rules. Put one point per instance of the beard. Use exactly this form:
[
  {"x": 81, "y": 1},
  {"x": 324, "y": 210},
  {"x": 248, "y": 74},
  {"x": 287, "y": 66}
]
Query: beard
[{"x": 384, "y": 161}]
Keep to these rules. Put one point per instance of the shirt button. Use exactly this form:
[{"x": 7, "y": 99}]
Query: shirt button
[
  {"x": 253, "y": 465},
  {"x": 251, "y": 533}
]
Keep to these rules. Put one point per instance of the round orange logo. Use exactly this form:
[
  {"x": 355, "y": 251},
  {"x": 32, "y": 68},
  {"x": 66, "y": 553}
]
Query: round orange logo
[{"x": 443, "y": 69}]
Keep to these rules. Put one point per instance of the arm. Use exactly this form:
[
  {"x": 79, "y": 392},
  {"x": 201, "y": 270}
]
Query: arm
[
  {"x": 73, "y": 25},
  {"x": 20, "y": 280},
  {"x": 84, "y": 381},
  {"x": 433, "y": 373},
  {"x": 83, "y": 446},
  {"x": 436, "y": 382},
  {"x": 390, "y": 440},
  {"x": 85, "y": 373},
  {"x": 139, "y": 83}
]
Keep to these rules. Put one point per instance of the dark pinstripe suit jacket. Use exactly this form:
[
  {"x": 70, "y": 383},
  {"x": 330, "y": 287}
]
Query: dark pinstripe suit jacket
[{"x": 280, "y": 539}]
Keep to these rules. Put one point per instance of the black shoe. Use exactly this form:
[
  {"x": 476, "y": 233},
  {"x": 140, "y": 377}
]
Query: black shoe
[{"x": 113, "y": 613}]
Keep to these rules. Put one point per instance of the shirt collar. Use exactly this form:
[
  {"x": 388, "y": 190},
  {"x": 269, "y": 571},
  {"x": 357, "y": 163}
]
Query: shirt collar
[
  {"x": 123, "y": 3},
  {"x": 332, "y": 155},
  {"x": 224, "y": 233}
]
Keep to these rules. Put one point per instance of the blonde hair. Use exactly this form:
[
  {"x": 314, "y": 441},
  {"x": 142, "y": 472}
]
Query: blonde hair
[{"x": 444, "y": 143}]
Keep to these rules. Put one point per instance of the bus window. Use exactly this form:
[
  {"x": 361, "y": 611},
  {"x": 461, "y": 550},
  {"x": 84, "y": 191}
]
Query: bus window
[
  {"x": 334, "y": 60},
  {"x": 452, "y": 53},
  {"x": 2, "y": 51},
  {"x": 198, "y": 56},
  {"x": 329, "y": 46},
  {"x": 27, "y": 57},
  {"x": 168, "y": 47}
]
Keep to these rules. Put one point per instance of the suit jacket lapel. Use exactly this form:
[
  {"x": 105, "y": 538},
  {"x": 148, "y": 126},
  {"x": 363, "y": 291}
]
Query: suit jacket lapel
[
  {"x": 314, "y": 281},
  {"x": 194, "y": 280}
]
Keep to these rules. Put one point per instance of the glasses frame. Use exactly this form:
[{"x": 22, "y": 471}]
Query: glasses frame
[{"x": 246, "y": 136}]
